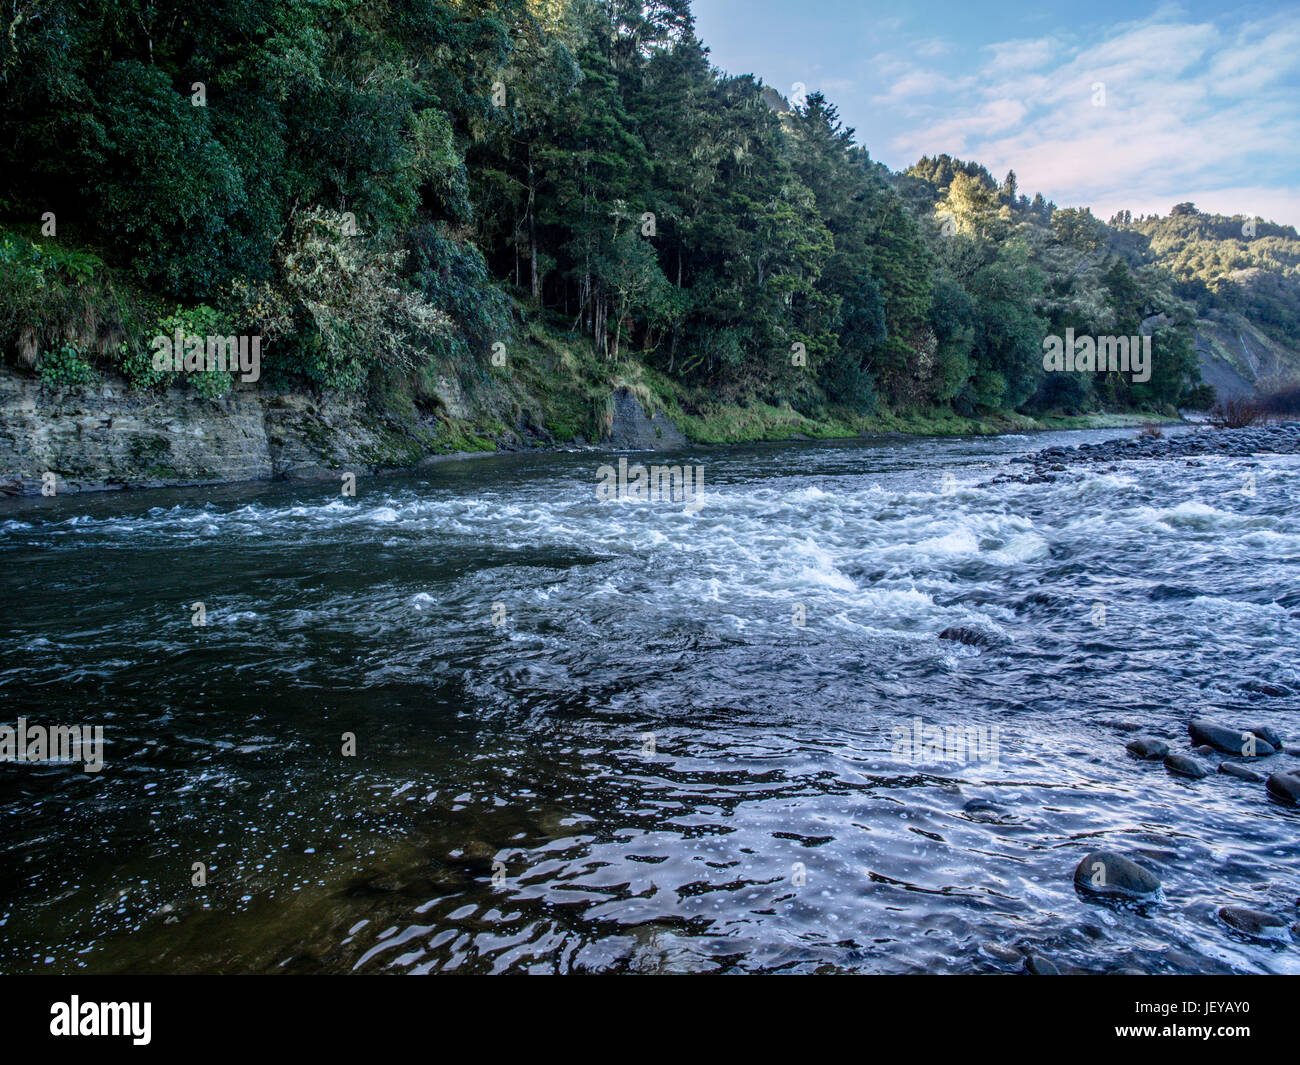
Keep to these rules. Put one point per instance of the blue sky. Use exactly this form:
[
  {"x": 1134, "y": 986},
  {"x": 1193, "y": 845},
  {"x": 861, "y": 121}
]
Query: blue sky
[{"x": 1201, "y": 101}]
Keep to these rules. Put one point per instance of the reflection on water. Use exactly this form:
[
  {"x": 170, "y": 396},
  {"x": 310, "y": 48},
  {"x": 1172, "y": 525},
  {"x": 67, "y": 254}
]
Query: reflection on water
[{"x": 593, "y": 736}]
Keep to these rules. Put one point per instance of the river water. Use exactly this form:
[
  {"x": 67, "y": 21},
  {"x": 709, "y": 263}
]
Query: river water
[{"x": 592, "y": 735}]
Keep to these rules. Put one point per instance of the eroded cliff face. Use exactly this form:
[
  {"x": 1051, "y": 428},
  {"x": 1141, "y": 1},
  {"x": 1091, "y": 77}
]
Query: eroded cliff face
[
  {"x": 1238, "y": 359},
  {"x": 107, "y": 436},
  {"x": 631, "y": 428}
]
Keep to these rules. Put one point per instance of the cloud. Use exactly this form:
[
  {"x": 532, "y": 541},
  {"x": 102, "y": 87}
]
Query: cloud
[
  {"x": 1013, "y": 57},
  {"x": 835, "y": 85},
  {"x": 1188, "y": 105}
]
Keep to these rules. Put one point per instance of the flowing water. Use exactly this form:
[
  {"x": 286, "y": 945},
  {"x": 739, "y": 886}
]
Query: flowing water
[{"x": 591, "y": 736}]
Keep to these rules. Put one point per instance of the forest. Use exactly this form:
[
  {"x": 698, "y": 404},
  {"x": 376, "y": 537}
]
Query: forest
[{"x": 386, "y": 189}]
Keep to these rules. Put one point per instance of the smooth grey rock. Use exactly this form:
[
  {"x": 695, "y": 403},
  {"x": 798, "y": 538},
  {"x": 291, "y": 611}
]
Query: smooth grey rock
[
  {"x": 1111, "y": 874},
  {"x": 1269, "y": 736},
  {"x": 1252, "y": 922},
  {"x": 1185, "y": 766},
  {"x": 1241, "y": 742},
  {"x": 1147, "y": 747},
  {"x": 1041, "y": 966},
  {"x": 997, "y": 950},
  {"x": 1285, "y": 785},
  {"x": 1241, "y": 772}
]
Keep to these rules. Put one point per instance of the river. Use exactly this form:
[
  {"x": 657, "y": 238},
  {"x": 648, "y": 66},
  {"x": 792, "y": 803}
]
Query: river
[{"x": 480, "y": 720}]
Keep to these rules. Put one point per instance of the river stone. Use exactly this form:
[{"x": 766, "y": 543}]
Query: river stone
[
  {"x": 1185, "y": 766},
  {"x": 997, "y": 950},
  {"x": 1147, "y": 747},
  {"x": 1269, "y": 736},
  {"x": 1229, "y": 741},
  {"x": 970, "y": 637},
  {"x": 1117, "y": 876},
  {"x": 1236, "y": 769},
  {"x": 1040, "y": 966},
  {"x": 1252, "y": 922},
  {"x": 1285, "y": 785}
]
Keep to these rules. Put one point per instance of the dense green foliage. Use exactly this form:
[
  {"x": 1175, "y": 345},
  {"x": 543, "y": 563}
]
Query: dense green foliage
[
  {"x": 374, "y": 186},
  {"x": 1236, "y": 264}
]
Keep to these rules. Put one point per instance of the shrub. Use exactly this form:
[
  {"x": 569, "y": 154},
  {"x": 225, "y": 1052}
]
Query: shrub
[
  {"x": 453, "y": 275},
  {"x": 1236, "y": 414},
  {"x": 136, "y": 362},
  {"x": 65, "y": 365},
  {"x": 1285, "y": 401},
  {"x": 50, "y": 296},
  {"x": 363, "y": 314}
]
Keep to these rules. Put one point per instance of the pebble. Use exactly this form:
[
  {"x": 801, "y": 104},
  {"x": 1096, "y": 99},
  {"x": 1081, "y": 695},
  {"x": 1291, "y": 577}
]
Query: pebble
[{"x": 1268, "y": 735}]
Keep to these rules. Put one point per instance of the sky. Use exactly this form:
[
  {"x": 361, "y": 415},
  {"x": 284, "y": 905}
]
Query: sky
[{"x": 1110, "y": 105}]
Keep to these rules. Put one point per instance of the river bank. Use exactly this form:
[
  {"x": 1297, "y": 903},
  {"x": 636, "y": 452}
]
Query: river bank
[{"x": 107, "y": 437}]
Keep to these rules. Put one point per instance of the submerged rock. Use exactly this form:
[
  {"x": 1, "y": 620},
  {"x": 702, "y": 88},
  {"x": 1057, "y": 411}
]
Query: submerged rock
[
  {"x": 997, "y": 950},
  {"x": 1252, "y": 922},
  {"x": 1041, "y": 966},
  {"x": 1285, "y": 785},
  {"x": 1263, "y": 688},
  {"x": 1269, "y": 736},
  {"x": 1242, "y": 742},
  {"x": 983, "y": 808},
  {"x": 1236, "y": 769},
  {"x": 1147, "y": 747},
  {"x": 1184, "y": 765},
  {"x": 1111, "y": 874},
  {"x": 970, "y": 637}
]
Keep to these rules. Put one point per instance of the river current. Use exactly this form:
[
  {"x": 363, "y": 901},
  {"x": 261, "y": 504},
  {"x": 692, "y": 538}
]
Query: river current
[{"x": 480, "y": 720}]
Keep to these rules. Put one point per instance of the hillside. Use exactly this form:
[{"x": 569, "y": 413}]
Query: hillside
[
  {"x": 485, "y": 222},
  {"x": 1243, "y": 276}
]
